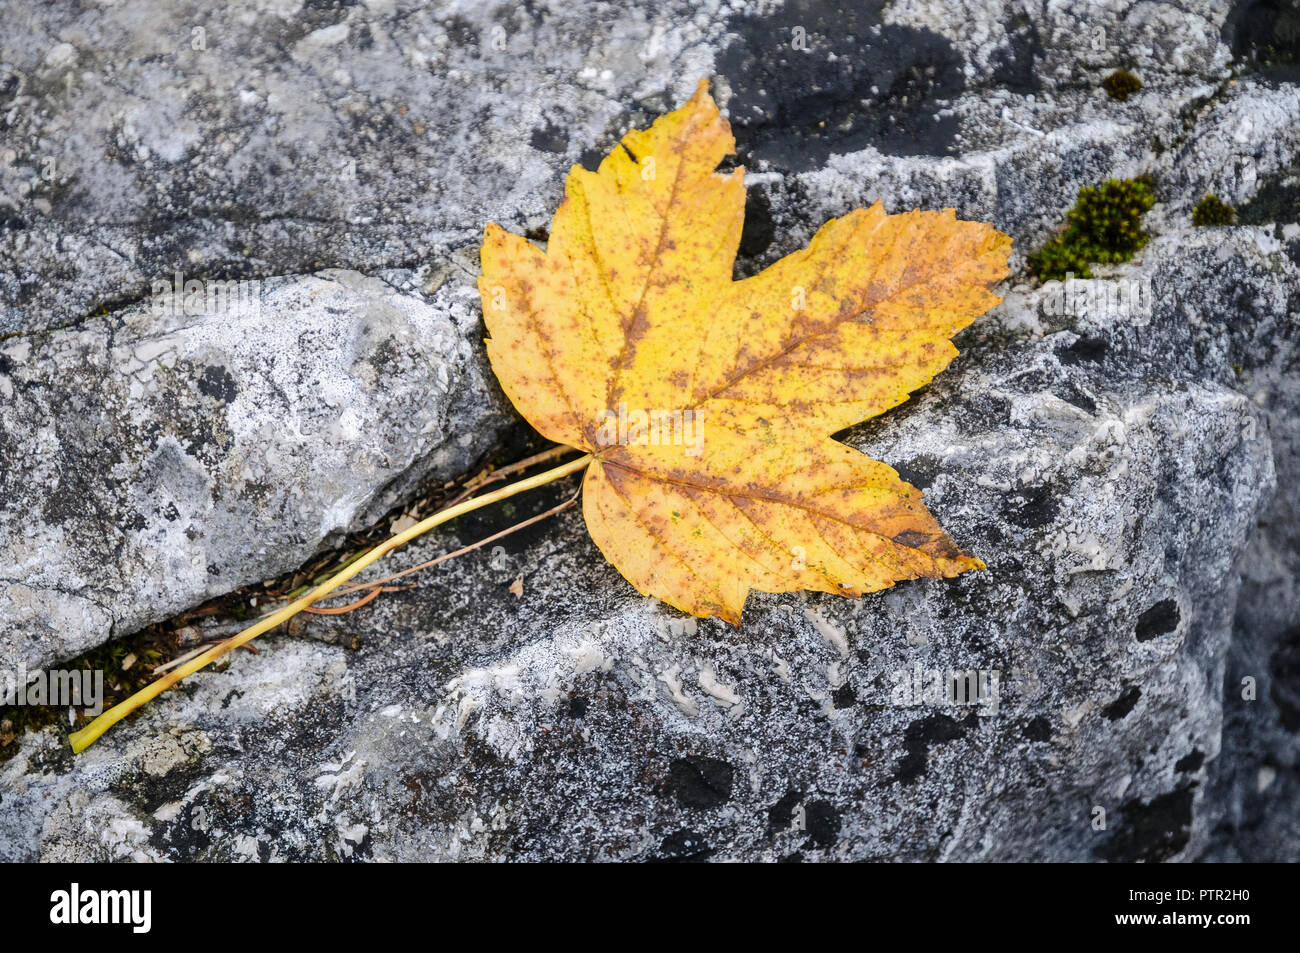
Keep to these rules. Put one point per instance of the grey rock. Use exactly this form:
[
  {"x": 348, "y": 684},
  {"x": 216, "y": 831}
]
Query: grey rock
[
  {"x": 1123, "y": 453},
  {"x": 386, "y": 134},
  {"x": 581, "y": 721},
  {"x": 183, "y": 448}
]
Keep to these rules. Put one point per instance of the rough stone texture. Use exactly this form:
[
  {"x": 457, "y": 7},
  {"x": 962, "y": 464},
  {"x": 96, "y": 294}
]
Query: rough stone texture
[
  {"x": 177, "y": 450},
  {"x": 579, "y": 720},
  {"x": 382, "y": 134},
  {"x": 1129, "y": 474}
]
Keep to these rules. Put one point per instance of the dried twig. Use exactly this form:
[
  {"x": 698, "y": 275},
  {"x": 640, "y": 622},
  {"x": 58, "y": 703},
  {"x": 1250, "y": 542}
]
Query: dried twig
[
  {"x": 80, "y": 740},
  {"x": 523, "y": 524}
]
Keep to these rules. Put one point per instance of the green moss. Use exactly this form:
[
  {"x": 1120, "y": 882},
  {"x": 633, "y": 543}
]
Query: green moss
[
  {"x": 1121, "y": 84},
  {"x": 1104, "y": 227},
  {"x": 1212, "y": 210}
]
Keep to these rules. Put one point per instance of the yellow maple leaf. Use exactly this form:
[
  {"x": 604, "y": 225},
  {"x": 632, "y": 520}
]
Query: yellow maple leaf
[{"x": 708, "y": 404}]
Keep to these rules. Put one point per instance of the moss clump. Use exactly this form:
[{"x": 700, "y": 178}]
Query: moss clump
[
  {"x": 1104, "y": 227},
  {"x": 1212, "y": 210},
  {"x": 1121, "y": 84}
]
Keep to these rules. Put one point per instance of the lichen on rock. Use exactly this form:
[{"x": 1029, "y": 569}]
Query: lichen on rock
[{"x": 1124, "y": 457}]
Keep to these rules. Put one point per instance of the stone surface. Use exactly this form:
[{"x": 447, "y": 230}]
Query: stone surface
[
  {"x": 1127, "y": 466},
  {"x": 182, "y": 448},
  {"x": 1110, "y": 497},
  {"x": 382, "y": 134}
]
